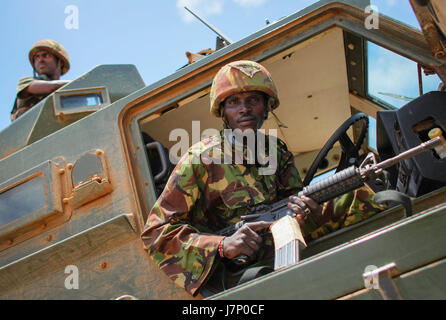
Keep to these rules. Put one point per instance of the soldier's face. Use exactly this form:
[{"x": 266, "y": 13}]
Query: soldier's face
[
  {"x": 245, "y": 110},
  {"x": 45, "y": 63}
]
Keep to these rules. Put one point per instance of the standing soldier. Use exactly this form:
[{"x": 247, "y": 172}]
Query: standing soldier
[
  {"x": 50, "y": 61},
  {"x": 203, "y": 196}
]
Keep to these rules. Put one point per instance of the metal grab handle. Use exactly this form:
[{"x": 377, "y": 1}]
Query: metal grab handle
[
  {"x": 159, "y": 147},
  {"x": 394, "y": 196}
]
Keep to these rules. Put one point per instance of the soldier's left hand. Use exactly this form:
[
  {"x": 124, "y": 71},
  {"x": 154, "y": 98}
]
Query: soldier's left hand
[{"x": 303, "y": 207}]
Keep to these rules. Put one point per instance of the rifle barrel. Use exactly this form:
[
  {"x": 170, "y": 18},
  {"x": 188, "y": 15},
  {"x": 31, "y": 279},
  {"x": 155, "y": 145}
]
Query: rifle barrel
[
  {"x": 432, "y": 143},
  {"x": 346, "y": 180}
]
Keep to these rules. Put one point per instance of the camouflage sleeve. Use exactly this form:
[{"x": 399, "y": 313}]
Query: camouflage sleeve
[
  {"x": 18, "y": 103},
  {"x": 289, "y": 178},
  {"x": 345, "y": 210},
  {"x": 177, "y": 247},
  {"x": 22, "y": 85}
]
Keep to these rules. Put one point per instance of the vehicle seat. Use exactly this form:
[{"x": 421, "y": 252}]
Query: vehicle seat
[{"x": 406, "y": 128}]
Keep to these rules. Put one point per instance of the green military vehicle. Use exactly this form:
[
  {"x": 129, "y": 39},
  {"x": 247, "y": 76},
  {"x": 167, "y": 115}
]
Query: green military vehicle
[{"x": 81, "y": 170}]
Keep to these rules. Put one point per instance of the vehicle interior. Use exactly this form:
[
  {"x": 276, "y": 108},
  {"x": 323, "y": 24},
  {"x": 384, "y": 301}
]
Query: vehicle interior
[
  {"x": 318, "y": 93},
  {"x": 315, "y": 99}
]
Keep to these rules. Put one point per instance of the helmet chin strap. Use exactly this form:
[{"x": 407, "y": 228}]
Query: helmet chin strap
[
  {"x": 59, "y": 65},
  {"x": 280, "y": 123},
  {"x": 269, "y": 107},
  {"x": 223, "y": 117}
]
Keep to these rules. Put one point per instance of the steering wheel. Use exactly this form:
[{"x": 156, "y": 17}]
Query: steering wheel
[{"x": 350, "y": 151}]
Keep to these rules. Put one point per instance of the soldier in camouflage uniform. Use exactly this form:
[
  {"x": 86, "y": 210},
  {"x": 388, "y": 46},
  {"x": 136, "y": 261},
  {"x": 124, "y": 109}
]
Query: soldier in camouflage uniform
[
  {"x": 49, "y": 60},
  {"x": 202, "y": 196}
]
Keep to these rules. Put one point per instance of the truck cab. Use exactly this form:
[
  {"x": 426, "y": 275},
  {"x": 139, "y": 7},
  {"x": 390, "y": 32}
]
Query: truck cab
[{"x": 81, "y": 170}]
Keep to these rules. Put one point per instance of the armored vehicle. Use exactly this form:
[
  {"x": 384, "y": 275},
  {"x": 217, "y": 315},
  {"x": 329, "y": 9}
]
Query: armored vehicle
[{"x": 81, "y": 170}]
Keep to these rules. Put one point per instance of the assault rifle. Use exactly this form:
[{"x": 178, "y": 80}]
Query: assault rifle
[{"x": 329, "y": 188}]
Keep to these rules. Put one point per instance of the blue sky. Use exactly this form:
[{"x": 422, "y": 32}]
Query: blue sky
[{"x": 152, "y": 35}]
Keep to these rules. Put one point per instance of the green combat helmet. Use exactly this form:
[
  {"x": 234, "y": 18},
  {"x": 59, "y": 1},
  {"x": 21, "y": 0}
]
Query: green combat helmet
[
  {"x": 242, "y": 76},
  {"x": 53, "y": 47}
]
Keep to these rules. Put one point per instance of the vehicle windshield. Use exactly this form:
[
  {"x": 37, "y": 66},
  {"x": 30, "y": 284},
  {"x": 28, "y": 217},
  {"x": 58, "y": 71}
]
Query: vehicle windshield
[{"x": 393, "y": 80}]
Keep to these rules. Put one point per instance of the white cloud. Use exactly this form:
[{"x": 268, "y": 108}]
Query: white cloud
[
  {"x": 385, "y": 3},
  {"x": 392, "y": 3},
  {"x": 391, "y": 73},
  {"x": 201, "y": 7},
  {"x": 249, "y": 3},
  {"x": 206, "y": 8}
]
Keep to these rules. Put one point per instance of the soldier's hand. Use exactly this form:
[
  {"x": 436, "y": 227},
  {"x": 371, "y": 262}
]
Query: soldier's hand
[
  {"x": 245, "y": 240},
  {"x": 304, "y": 206},
  {"x": 45, "y": 87}
]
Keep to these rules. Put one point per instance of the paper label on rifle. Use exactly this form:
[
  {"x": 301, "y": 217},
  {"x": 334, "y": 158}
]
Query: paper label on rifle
[{"x": 285, "y": 230}]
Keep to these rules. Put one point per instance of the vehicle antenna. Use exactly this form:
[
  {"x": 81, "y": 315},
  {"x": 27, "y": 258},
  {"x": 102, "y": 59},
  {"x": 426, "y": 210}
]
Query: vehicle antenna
[{"x": 225, "y": 39}]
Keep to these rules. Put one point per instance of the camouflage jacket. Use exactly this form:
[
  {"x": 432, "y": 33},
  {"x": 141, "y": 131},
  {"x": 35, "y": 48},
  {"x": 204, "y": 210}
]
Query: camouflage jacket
[
  {"x": 200, "y": 199},
  {"x": 22, "y": 103}
]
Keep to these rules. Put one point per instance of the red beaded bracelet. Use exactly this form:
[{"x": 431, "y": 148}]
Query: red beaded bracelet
[{"x": 220, "y": 248}]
